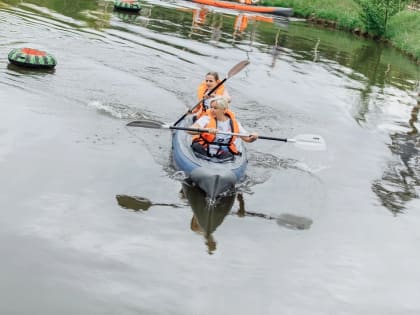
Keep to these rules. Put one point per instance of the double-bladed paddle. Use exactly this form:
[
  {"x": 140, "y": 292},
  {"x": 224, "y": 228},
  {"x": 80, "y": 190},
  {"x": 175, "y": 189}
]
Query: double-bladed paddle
[
  {"x": 237, "y": 68},
  {"x": 306, "y": 141}
]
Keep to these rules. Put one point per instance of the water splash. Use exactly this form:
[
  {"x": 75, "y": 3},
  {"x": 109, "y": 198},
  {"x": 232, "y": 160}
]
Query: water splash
[{"x": 119, "y": 111}]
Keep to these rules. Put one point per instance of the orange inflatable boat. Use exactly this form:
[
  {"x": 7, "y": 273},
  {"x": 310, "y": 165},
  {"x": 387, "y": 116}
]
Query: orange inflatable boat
[{"x": 246, "y": 7}]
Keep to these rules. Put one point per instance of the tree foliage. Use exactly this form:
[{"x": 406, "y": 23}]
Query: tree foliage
[{"x": 375, "y": 14}]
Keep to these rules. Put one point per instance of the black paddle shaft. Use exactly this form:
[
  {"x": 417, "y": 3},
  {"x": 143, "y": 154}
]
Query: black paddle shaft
[
  {"x": 189, "y": 129},
  {"x": 273, "y": 138},
  {"x": 202, "y": 100},
  {"x": 242, "y": 135},
  {"x": 148, "y": 123},
  {"x": 237, "y": 68},
  {"x": 312, "y": 142}
]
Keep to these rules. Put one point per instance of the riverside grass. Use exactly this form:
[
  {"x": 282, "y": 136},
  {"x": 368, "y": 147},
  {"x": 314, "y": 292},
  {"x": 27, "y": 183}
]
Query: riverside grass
[
  {"x": 403, "y": 30},
  {"x": 344, "y": 12}
]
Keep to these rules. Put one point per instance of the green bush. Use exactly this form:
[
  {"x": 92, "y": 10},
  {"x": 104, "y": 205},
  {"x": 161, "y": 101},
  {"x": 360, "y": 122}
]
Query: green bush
[
  {"x": 344, "y": 12},
  {"x": 375, "y": 14}
]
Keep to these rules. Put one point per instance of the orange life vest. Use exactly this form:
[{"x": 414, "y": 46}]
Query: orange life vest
[
  {"x": 201, "y": 91},
  {"x": 207, "y": 138}
]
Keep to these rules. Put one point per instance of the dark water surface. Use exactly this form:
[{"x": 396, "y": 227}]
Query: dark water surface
[{"x": 92, "y": 217}]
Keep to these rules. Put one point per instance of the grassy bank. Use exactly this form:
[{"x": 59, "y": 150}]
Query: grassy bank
[{"x": 403, "y": 30}]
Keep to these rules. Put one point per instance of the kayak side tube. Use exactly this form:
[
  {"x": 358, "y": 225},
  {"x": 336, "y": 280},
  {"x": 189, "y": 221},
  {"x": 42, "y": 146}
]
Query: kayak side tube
[{"x": 286, "y": 12}]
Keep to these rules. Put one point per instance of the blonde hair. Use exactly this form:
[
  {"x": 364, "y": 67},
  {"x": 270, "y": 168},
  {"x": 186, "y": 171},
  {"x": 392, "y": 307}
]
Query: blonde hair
[{"x": 221, "y": 102}]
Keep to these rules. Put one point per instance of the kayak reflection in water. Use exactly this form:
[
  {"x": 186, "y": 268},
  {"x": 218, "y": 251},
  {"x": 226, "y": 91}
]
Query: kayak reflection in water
[{"x": 207, "y": 214}]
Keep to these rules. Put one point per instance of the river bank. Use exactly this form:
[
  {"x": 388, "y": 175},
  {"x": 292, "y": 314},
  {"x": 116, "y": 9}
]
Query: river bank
[{"x": 403, "y": 29}]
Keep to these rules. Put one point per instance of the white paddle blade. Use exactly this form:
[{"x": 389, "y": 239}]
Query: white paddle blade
[{"x": 310, "y": 142}]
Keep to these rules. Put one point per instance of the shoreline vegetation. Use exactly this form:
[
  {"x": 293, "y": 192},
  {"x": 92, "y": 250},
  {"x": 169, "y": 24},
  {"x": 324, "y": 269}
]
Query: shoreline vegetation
[{"x": 396, "y": 22}]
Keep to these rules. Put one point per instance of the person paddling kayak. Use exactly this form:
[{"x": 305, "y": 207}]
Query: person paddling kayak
[
  {"x": 211, "y": 80},
  {"x": 212, "y": 143}
]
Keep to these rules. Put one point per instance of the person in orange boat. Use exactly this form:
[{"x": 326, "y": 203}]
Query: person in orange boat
[
  {"x": 212, "y": 143},
  {"x": 249, "y": 2},
  {"x": 211, "y": 80}
]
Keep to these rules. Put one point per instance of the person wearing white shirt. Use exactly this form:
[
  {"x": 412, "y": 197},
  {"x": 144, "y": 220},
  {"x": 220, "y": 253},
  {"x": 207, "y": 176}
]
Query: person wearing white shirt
[{"x": 219, "y": 119}]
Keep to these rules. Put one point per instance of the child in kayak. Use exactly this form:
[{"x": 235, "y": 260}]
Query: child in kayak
[
  {"x": 219, "y": 118},
  {"x": 211, "y": 80}
]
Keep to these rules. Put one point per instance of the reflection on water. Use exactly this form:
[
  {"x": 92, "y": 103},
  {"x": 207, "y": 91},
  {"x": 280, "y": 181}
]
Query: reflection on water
[
  {"x": 286, "y": 220},
  {"x": 207, "y": 214},
  {"x": 368, "y": 61},
  {"x": 401, "y": 180},
  {"x": 402, "y": 175},
  {"x": 137, "y": 203},
  {"x": 26, "y": 71},
  {"x": 414, "y": 118}
]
